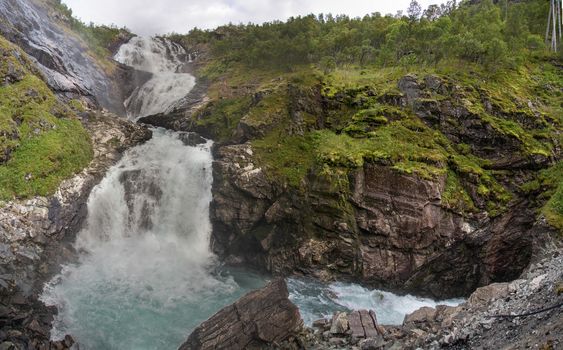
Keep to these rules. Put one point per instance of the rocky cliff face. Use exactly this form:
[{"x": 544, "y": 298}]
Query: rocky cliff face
[
  {"x": 374, "y": 223},
  {"x": 411, "y": 182},
  {"x": 36, "y": 236},
  {"x": 65, "y": 60},
  {"x": 386, "y": 229}
]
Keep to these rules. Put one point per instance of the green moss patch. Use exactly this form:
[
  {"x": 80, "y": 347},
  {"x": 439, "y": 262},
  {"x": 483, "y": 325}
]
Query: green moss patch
[
  {"x": 288, "y": 158},
  {"x": 40, "y": 163},
  {"x": 409, "y": 146},
  {"x": 550, "y": 186},
  {"x": 455, "y": 196},
  {"x": 270, "y": 110},
  {"x": 221, "y": 117},
  {"x": 41, "y": 140}
]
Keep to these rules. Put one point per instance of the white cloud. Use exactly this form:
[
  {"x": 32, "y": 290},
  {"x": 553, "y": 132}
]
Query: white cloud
[{"x": 149, "y": 17}]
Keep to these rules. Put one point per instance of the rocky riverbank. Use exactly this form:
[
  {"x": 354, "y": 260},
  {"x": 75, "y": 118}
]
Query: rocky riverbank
[
  {"x": 490, "y": 319},
  {"x": 522, "y": 314},
  {"x": 36, "y": 235}
]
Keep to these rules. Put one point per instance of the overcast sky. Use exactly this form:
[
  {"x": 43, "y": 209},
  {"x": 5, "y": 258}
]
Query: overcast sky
[{"x": 147, "y": 17}]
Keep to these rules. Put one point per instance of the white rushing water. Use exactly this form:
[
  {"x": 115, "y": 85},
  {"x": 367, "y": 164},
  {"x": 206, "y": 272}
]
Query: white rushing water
[
  {"x": 319, "y": 300},
  {"x": 164, "y": 59},
  {"x": 145, "y": 275}
]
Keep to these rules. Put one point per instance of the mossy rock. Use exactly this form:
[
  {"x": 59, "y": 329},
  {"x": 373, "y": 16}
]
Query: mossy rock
[{"x": 41, "y": 140}]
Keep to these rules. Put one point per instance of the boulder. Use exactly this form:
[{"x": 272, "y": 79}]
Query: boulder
[
  {"x": 340, "y": 323},
  {"x": 258, "y": 319},
  {"x": 484, "y": 295},
  {"x": 409, "y": 87},
  {"x": 191, "y": 139},
  {"x": 424, "y": 314}
]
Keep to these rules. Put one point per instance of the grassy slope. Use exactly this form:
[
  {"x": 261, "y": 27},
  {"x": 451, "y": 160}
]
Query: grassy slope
[
  {"x": 365, "y": 129},
  {"x": 41, "y": 140}
]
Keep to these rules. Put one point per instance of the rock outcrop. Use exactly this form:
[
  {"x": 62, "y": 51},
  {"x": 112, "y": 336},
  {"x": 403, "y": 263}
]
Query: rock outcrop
[
  {"x": 179, "y": 118},
  {"x": 257, "y": 320},
  {"x": 36, "y": 235},
  {"x": 389, "y": 228},
  {"x": 63, "y": 58},
  {"x": 381, "y": 227},
  {"x": 525, "y": 313}
]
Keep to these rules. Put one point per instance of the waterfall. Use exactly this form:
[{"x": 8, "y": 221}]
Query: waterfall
[
  {"x": 165, "y": 60},
  {"x": 145, "y": 265},
  {"x": 145, "y": 274}
]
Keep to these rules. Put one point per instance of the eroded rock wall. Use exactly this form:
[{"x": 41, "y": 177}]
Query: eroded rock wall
[{"x": 378, "y": 226}]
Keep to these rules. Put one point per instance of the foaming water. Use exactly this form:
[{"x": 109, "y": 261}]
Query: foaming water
[
  {"x": 318, "y": 300},
  {"x": 164, "y": 59},
  {"x": 145, "y": 276}
]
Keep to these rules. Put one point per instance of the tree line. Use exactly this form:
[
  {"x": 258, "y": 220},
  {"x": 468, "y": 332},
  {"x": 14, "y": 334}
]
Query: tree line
[{"x": 494, "y": 35}]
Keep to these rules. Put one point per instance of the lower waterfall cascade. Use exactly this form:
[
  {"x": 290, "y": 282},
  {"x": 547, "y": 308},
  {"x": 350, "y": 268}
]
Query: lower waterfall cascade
[{"x": 145, "y": 266}]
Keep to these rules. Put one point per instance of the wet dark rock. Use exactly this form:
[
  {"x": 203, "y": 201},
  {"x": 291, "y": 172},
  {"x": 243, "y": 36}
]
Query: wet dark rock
[
  {"x": 258, "y": 319},
  {"x": 191, "y": 138},
  {"x": 68, "y": 68},
  {"x": 180, "y": 118},
  {"x": 135, "y": 186}
]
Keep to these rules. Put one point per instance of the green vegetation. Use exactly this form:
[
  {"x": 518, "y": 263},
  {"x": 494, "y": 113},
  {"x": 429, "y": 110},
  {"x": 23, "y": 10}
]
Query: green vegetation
[
  {"x": 483, "y": 34},
  {"x": 408, "y": 145},
  {"x": 553, "y": 209},
  {"x": 331, "y": 101},
  {"x": 288, "y": 158},
  {"x": 41, "y": 141},
  {"x": 455, "y": 196},
  {"x": 223, "y": 116},
  {"x": 549, "y": 184}
]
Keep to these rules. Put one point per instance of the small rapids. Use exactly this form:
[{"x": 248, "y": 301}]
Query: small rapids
[{"x": 320, "y": 300}]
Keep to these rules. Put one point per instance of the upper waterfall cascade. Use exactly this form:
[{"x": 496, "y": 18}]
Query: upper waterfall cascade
[{"x": 168, "y": 85}]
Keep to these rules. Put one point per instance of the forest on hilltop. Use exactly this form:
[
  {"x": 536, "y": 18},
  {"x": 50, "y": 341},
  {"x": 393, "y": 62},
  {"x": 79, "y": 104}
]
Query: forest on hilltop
[{"x": 494, "y": 35}]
